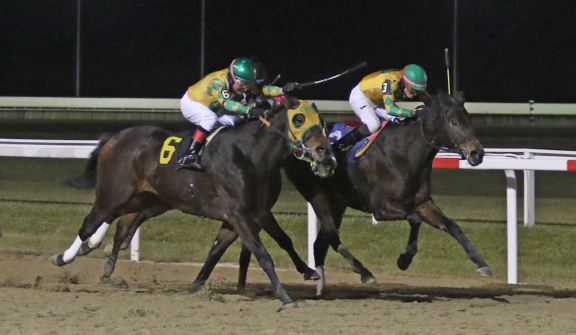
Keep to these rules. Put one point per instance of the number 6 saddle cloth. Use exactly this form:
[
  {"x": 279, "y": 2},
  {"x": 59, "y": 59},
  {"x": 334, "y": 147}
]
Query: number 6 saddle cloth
[{"x": 177, "y": 145}]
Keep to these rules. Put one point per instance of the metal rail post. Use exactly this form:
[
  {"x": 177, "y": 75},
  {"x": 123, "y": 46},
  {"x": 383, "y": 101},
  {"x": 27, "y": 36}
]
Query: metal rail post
[
  {"x": 135, "y": 247},
  {"x": 312, "y": 233},
  {"x": 529, "y": 197},
  {"x": 512, "y": 226}
]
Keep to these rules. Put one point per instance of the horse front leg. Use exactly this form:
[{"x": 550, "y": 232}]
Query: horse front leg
[
  {"x": 226, "y": 236},
  {"x": 405, "y": 259},
  {"x": 330, "y": 216},
  {"x": 271, "y": 226},
  {"x": 248, "y": 230},
  {"x": 432, "y": 215}
]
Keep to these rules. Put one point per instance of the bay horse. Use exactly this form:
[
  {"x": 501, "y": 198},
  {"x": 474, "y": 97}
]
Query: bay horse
[
  {"x": 239, "y": 186},
  {"x": 392, "y": 181}
]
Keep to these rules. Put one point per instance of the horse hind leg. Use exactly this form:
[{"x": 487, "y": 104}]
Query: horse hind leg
[
  {"x": 223, "y": 240},
  {"x": 126, "y": 226},
  {"x": 405, "y": 259},
  {"x": 432, "y": 215},
  {"x": 128, "y": 240},
  {"x": 92, "y": 222},
  {"x": 94, "y": 241},
  {"x": 244, "y": 262}
]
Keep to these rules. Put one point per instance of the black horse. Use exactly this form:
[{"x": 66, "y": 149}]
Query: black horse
[
  {"x": 392, "y": 180},
  {"x": 239, "y": 186}
]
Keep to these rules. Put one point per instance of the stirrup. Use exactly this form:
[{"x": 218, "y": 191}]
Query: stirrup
[{"x": 190, "y": 162}]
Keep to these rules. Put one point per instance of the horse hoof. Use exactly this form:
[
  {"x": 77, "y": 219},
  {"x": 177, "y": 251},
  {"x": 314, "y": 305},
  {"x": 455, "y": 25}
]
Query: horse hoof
[
  {"x": 85, "y": 249},
  {"x": 288, "y": 305},
  {"x": 108, "y": 250},
  {"x": 484, "y": 271},
  {"x": 403, "y": 262},
  {"x": 196, "y": 287},
  {"x": 59, "y": 260},
  {"x": 311, "y": 275},
  {"x": 105, "y": 279},
  {"x": 368, "y": 279}
]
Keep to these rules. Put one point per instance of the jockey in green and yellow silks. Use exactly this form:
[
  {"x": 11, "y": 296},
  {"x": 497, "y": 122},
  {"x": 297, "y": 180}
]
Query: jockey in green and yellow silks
[
  {"x": 374, "y": 99},
  {"x": 219, "y": 92}
]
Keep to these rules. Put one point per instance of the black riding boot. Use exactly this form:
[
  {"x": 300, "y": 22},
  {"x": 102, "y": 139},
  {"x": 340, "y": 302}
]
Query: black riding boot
[
  {"x": 350, "y": 139},
  {"x": 191, "y": 158}
]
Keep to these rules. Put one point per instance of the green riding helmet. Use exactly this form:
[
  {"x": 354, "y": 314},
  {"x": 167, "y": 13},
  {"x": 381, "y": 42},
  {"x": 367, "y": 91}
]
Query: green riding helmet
[
  {"x": 242, "y": 69},
  {"x": 414, "y": 76}
]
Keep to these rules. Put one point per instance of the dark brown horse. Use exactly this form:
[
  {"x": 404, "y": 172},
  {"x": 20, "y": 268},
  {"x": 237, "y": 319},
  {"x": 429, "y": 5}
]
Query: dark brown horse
[
  {"x": 239, "y": 186},
  {"x": 392, "y": 180}
]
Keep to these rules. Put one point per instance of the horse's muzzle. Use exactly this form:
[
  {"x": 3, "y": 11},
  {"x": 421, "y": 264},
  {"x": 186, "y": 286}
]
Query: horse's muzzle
[
  {"x": 474, "y": 157},
  {"x": 325, "y": 162}
]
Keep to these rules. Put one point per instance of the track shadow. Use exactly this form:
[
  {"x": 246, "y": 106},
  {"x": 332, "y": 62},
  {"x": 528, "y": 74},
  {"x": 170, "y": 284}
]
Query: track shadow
[{"x": 398, "y": 292}]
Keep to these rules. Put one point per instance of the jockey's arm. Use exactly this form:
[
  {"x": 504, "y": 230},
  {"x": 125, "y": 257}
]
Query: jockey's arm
[
  {"x": 388, "y": 89},
  {"x": 272, "y": 91},
  {"x": 225, "y": 98}
]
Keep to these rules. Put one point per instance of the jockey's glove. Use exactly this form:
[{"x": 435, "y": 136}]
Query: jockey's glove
[
  {"x": 290, "y": 87},
  {"x": 255, "y": 112},
  {"x": 418, "y": 111}
]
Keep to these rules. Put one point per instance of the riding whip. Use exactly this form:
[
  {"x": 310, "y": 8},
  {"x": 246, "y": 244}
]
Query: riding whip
[
  {"x": 275, "y": 80},
  {"x": 355, "y": 68},
  {"x": 447, "y": 67}
]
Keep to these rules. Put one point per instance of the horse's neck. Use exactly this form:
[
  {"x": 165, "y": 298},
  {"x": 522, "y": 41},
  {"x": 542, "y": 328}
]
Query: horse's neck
[
  {"x": 401, "y": 139},
  {"x": 269, "y": 148}
]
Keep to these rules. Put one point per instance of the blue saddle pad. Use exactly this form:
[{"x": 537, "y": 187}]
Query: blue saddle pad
[{"x": 341, "y": 129}]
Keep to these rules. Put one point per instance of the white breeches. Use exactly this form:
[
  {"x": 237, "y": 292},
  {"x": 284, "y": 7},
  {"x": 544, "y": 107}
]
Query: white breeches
[
  {"x": 202, "y": 116},
  {"x": 367, "y": 111}
]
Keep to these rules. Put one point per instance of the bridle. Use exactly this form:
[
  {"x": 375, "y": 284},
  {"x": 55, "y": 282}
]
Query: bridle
[{"x": 296, "y": 146}]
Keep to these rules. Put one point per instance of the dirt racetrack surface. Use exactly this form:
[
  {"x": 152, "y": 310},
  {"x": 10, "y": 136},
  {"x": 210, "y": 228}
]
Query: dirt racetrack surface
[{"x": 37, "y": 297}]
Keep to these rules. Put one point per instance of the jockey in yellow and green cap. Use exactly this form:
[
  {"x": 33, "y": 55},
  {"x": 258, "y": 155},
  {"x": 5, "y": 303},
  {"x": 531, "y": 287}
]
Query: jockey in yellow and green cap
[
  {"x": 218, "y": 98},
  {"x": 374, "y": 100}
]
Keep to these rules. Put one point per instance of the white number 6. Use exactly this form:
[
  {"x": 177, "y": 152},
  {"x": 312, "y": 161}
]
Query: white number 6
[{"x": 225, "y": 94}]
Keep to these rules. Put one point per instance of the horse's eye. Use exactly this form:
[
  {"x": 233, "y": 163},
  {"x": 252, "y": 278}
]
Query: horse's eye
[
  {"x": 298, "y": 120},
  {"x": 454, "y": 123}
]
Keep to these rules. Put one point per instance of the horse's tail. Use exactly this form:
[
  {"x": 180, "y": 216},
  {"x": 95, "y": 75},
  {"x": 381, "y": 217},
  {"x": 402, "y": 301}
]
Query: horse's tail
[{"x": 87, "y": 180}]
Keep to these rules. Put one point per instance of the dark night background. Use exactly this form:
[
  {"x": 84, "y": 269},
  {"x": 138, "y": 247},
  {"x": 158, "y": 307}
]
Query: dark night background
[{"x": 508, "y": 50}]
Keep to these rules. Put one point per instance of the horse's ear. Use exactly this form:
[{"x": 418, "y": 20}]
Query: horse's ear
[
  {"x": 314, "y": 106},
  {"x": 289, "y": 102},
  {"x": 459, "y": 97}
]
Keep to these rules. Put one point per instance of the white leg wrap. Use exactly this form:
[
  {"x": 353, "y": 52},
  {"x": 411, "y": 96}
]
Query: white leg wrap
[
  {"x": 98, "y": 236},
  {"x": 320, "y": 284},
  {"x": 71, "y": 252}
]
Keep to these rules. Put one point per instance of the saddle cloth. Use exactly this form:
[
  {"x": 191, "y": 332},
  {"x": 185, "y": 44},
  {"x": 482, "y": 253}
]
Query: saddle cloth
[
  {"x": 178, "y": 144},
  {"x": 343, "y": 128}
]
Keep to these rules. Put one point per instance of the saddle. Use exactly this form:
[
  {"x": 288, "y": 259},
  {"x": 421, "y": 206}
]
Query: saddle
[{"x": 343, "y": 128}]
